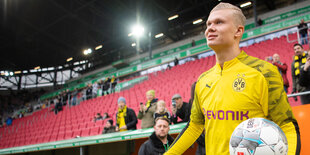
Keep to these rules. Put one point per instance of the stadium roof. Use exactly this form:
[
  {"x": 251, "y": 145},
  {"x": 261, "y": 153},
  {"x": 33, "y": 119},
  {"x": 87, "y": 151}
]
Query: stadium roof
[{"x": 46, "y": 33}]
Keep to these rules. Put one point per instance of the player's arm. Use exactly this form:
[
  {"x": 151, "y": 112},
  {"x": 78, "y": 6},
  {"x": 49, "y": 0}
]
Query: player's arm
[
  {"x": 190, "y": 133},
  {"x": 279, "y": 110}
]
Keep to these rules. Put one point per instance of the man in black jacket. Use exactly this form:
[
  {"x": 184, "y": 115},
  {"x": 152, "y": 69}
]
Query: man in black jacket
[
  {"x": 159, "y": 141},
  {"x": 180, "y": 109},
  {"x": 126, "y": 118},
  {"x": 304, "y": 79}
]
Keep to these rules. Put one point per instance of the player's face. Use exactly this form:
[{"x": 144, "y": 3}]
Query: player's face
[
  {"x": 161, "y": 128},
  {"x": 221, "y": 28}
]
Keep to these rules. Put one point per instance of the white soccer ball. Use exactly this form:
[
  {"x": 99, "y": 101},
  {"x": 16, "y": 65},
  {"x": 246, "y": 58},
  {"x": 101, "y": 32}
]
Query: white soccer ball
[{"x": 258, "y": 136}]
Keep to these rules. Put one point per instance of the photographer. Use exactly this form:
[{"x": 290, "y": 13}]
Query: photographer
[{"x": 180, "y": 109}]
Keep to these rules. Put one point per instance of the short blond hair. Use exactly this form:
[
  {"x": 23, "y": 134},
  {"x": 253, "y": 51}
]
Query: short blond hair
[
  {"x": 238, "y": 15},
  {"x": 161, "y": 102}
]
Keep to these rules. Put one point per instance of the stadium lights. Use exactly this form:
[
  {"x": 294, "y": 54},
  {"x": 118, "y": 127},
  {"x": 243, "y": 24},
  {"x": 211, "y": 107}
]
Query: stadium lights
[
  {"x": 44, "y": 69},
  {"x": 133, "y": 44},
  {"x": 159, "y": 35},
  {"x": 197, "y": 21},
  {"x": 36, "y": 68},
  {"x": 245, "y": 4},
  {"x": 25, "y": 71},
  {"x": 50, "y": 68},
  {"x": 137, "y": 30},
  {"x": 17, "y": 72},
  {"x": 88, "y": 51},
  {"x": 98, "y": 47},
  {"x": 69, "y": 59},
  {"x": 173, "y": 17}
]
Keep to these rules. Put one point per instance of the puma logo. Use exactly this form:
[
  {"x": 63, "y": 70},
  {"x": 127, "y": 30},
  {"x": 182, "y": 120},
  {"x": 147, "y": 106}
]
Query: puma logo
[{"x": 208, "y": 86}]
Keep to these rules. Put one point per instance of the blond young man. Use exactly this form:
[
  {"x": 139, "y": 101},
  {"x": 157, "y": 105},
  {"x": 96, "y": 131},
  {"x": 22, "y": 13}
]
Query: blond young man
[{"x": 237, "y": 88}]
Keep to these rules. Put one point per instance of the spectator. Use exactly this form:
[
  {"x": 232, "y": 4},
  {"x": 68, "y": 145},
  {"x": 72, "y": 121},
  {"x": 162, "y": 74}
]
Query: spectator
[
  {"x": 159, "y": 141},
  {"x": 146, "y": 112},
  {"x": 176, "y": 61},
  {"x": 113, "y": 84},
  {"x": 161, "y": 110},
  {"x": 303, "y": 32},
  {"x": 106, "y": 85},
  {"x": 89, "y": 92},
  {"x": 9, "y": 121},
  {"x": 193, "y": 43},
  {"x": 305, "y": 78},
  {"x": 260, "y": 22},
  {"x": 108, "y": 128},
  {"x": 98, "y": 117},
  {"x": 74, "y": 96},
  {"x": 282, "y": 67},
  {"x": 180, "y": 109},
  {"x": 300, "y": 59},
  {"x": 58, "y": 106},
  {"x": 95, "y": 90},
  {"x": 126, "y": 118}
]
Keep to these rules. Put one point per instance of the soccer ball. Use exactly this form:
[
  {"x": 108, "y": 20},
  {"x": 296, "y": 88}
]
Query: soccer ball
[{"x": 258, "y": 136}]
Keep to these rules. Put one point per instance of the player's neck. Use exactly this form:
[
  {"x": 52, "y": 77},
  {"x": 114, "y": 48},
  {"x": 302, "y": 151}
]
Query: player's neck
[{"x": 226, "y": 54}]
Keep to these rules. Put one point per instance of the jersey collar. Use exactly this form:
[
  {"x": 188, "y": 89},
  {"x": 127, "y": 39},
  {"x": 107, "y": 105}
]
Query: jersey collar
[{"x": 229, "y": 64}]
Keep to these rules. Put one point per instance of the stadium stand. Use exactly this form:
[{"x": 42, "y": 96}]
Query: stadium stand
[
  {"x": 76, "y": 121},
  {"x": 44, "y": 126}
]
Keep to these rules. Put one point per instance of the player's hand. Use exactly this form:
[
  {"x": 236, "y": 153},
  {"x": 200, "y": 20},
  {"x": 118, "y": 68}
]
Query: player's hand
[{"x": 116, "y": 128}]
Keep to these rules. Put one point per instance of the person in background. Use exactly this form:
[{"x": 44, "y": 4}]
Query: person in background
[
  {"x": 300, "y": 59},
  {"x": 98, "y": 117},
  {"x": 159, "y": 142},
  {"x": 176, "y": 61},
  {"x": 126, "y": 118},
  {"x": 9, "y": 121},
  {"x": 180, "y": 109},
  {"x": 106, "y": 85},
  {"x": 282, "y": 67},
  {"x": 303, "y": 32},
  {"x": 113, "y": 84},
  {"x": 161, "y": 110},
  {"x": 74, "y": 97},
  {"x": 89, "y": 92},
  {"x": 305, "y": 78},
  {"x": 108, "y": 128},
  {"x": 95, "y": 89},
  {"x": 146, "y": 112}
]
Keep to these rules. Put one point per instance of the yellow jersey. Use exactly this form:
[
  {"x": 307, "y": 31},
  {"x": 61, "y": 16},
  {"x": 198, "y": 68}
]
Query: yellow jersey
[{"x": 246, "y": 87}]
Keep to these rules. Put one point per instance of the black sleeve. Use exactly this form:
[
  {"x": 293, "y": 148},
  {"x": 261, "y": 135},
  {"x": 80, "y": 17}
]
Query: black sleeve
[
  {"x": 133, "y": 119},
  {"x": 304, "y": 77},
  {"x": 116, "y": 121},
  {"x": 174, "y": 119},
  {"x": 143, "y": 150},
  {"x": 187, "y": 112},
  {"x": 293, "y": 77}
]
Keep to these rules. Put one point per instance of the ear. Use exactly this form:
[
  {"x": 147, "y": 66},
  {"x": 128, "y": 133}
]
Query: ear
[{"x": 239, "y": 32}]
